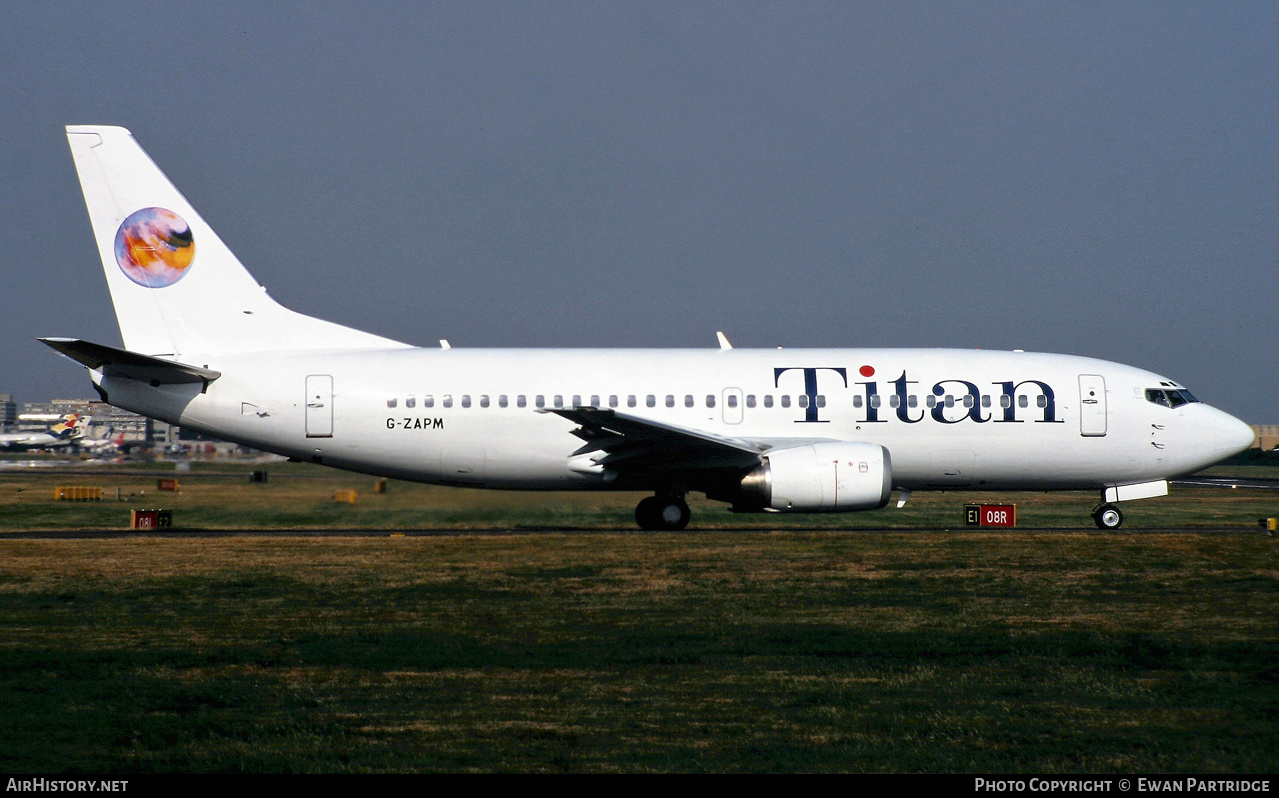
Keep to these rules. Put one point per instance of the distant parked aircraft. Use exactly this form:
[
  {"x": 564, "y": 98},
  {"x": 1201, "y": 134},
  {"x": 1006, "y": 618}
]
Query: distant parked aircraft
[{"x": 70, "y": 430}]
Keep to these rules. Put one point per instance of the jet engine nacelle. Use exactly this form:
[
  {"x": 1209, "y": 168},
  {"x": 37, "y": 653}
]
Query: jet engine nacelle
[{"x": 820, "y": 477}]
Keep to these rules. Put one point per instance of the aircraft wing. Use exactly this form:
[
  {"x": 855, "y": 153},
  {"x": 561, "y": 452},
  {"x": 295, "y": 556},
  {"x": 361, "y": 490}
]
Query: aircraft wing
[
  {"x": 629, "y": 445},
  {"x": 131, "y": 365}
]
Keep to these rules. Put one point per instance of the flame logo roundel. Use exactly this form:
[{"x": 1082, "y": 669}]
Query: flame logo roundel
[{"x": 154, "y": 247}]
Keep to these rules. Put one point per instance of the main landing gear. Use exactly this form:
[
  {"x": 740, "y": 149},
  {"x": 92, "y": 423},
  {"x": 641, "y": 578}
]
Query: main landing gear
[
  {"x": 665, "y": 512},
  {"x": 1108, "y": 516}
]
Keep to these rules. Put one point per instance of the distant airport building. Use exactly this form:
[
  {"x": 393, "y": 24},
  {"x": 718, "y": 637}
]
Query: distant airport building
[
  {"x": 1267, "y": 436},
  {"x": 8, "y": 412}
]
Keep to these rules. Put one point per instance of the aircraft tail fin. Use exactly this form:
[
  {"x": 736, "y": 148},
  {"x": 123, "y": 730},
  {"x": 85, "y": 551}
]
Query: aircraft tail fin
[
  {"x": 176, "y": 287},
  {"x": 71, "y": 426}
]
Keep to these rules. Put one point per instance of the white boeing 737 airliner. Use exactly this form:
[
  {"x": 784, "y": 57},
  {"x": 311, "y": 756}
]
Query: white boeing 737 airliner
[{"x": 786, "y": 430}]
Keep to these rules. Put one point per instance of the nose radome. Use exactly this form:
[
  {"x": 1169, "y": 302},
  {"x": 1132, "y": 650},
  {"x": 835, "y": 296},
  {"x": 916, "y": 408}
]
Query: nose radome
[{"x": 1235, "y": 436}]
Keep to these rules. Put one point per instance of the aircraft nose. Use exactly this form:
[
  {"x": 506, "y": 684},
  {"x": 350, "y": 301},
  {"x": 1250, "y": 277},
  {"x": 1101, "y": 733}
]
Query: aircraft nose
[{"x": 1232, "y": 435}]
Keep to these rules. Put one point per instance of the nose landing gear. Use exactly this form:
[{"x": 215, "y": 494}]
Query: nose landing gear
[
  {"x": 1108, "y": 516},
  {"x": 663, "y": 513}
]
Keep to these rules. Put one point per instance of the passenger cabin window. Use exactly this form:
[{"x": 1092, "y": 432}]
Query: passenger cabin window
[
  {"x": 710, "y": 400},
  {"x": 466, "y": 400},
  {"x": 670, "y": 400},
  {"x": 630, "y": 400},
  {"x": 409, "y": 401},
  {"x": 501, "y": 400},
  {"x": 428, "y": 401},
  {"x": 392, "y": 402},
  {"x": 650, "y": 401},
  {"x": 688, "y": 400},
  {"x": 484, "y": 400},
  {"x": 448, "y": 400},
  {"x": 750, "y": 400},
  {"x": 768, "y": 400},
  {"x": 612, "y": 400}
]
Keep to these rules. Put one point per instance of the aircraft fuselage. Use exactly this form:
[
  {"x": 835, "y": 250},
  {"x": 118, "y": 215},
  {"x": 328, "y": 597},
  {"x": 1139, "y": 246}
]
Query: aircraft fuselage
[{"x": 950, "y": 418}]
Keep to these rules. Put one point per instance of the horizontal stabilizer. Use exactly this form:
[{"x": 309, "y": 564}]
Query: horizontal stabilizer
[{"x": 130, "y": 365}]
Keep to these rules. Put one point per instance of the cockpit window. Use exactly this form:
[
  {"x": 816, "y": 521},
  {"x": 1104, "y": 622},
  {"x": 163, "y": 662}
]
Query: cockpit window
[
  {"x": 1169, "y": 398},
  {"x": 1179, "y": 398}
]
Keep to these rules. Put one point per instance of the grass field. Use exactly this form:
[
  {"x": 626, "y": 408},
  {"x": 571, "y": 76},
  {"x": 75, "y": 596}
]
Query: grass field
[{"x": 767, "y": 649}]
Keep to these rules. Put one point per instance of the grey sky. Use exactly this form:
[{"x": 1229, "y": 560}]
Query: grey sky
[{"x": 1097, "y": 179}]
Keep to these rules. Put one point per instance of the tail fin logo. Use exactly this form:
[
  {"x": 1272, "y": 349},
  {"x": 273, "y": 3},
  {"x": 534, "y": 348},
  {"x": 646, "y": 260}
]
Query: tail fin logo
[
  {"x": 68, "y": 426},
  {"x": 154, "y": 247}
]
